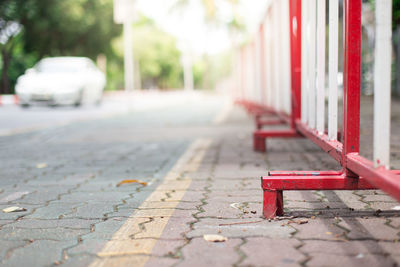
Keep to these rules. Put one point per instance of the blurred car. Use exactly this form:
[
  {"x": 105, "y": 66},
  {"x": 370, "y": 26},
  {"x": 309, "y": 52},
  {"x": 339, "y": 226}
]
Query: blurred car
[{"x": 61, "y": 81}]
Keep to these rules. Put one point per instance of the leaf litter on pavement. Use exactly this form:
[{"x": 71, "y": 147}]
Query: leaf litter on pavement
[
  {"x": 128, "y": 181},
  {"x": 13, "y": 209}
]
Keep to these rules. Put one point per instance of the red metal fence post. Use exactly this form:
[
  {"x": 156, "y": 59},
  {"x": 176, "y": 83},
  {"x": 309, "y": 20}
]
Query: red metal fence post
[
  {"x": 295, "y": 59},
  {"x": 352, "y": 80}
]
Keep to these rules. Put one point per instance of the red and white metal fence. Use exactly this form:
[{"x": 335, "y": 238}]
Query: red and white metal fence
[{"x": 282, "y": 72}]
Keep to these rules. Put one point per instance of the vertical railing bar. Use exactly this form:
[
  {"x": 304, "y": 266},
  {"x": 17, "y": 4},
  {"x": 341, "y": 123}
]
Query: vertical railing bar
[
  {"x": 382, "y": 80},
  {"x": 321, "y": 24},
  {"x": 286, "y": 40},
  {"x": 352, "y": 80},
  {"x": 254, "y": 71},
  {"x": 248, "y": 70},
  {"x": 267, "y": 35},
  {"x": 304, "y": 61},
  {"x": 333, "y": 69},
  {"x": 257, "y": 67},
  {"x": 272, "y": 54},
  {"x": 311, "y": 64},
  {"x": 295, "y": 19},
  {"x": 262, "y": 64},
  {"x": 275, "y": 39}
]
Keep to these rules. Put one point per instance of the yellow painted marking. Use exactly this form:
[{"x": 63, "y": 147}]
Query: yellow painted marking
[{"x": 123, "y": 249}]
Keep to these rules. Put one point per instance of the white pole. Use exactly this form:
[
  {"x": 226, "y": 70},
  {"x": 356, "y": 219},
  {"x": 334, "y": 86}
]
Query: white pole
[
  {"x": 311, "y": 64},
  {"x": 321, "y": 24},
  {"x": 382, "y": 88},
  {"x": 276, "y": 53},
  {"x": 128, "y": 56},
  {"x": 333, "y": 68},
  {"x": 286, "y": 56},
  {"x": 187, "y": 72},
  {"x": 304, "y": 59}
]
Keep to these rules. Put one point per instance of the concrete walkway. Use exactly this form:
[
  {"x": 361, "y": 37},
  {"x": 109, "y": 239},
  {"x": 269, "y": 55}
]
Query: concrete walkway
[{"x": 202, "y": 179}]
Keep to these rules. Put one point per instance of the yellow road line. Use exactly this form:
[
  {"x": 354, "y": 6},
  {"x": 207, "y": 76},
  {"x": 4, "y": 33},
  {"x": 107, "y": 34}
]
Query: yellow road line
[{"x": 122, "y": 249}]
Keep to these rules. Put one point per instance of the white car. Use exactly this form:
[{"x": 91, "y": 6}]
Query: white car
[{"x": 61, "y": 81}]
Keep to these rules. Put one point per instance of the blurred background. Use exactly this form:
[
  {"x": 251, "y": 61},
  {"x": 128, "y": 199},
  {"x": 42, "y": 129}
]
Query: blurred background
[
  {"x": 167, "y": 34},
  {"x": 171, "y": 38}
]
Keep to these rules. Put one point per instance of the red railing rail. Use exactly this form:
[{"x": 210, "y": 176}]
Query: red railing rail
[{"x": 304, "y": 34}]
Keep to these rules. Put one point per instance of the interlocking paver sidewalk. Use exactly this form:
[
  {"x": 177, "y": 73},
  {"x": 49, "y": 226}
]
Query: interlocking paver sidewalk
[{"x": 76, "y": 216}]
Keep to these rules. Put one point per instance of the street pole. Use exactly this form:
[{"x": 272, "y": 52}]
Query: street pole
[
  {"x": 128, "y": 56},
  {"x": 187, "y": 71}
]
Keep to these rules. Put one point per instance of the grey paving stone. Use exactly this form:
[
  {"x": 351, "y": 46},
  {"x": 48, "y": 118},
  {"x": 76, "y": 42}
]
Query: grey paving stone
[
  {"x": 105, "y": 229},
  {"x": 87, "y": 247},
  {"x": 237, "y": 228},
  {"x": 7, "y": 247},
  {"x": 218, "y": 254},
  {"x": 110, "y": 197},
  {"x": 53, "y": 223},
  {"x": 93, "y": 210},
  {"x": 78, "y": 260},
  {"x": 54, "y": 211},
  {"x": 40, "y": 234},
  {"x": 39, "y": 253},
  {"x": 272, "y": 252}
]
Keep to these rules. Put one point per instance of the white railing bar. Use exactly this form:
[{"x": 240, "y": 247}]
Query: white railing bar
[
  {"x": 333, "y": 69},
  {"x": 382, "y": 83},
  {"x": 275, "y": 53},
  {"x": 253, "y": 72},
  {"x": 304, "y": 60},
  {"x": 257, "y": 65},
  {"x": 286, "y": 55},
  {"x": 268, "y": 69},
  {"x": 311, "y": 64},
  {"x": 321, "y": 24}
]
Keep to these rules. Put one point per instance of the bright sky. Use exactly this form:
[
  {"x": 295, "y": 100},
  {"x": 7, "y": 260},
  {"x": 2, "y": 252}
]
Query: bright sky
[{"x": 189, "y": 27}]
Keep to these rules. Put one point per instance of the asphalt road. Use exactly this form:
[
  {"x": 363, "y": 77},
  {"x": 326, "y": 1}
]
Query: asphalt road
[{"x": 15, "y": 119}]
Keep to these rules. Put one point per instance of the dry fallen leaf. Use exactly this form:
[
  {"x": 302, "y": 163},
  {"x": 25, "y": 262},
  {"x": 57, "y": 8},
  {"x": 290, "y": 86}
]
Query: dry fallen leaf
[
  {"x": 131, "y": 182},
  {"x": 41, "y": 165},
  {"x": 215, "y": 238},
  {"x": 13, "y": 209},
  {"x": 297, "y": 221}
]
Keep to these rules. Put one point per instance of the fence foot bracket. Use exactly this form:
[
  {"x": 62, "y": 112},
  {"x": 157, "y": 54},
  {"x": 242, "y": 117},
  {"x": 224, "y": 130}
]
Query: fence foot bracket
[
  {"x": 276, "y": 182},
  {"x": 260, "y": 136}
]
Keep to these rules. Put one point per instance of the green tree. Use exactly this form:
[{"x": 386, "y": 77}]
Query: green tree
[
  {"x": 59, "y": 28},
  {"x": 156, "y": 54}
]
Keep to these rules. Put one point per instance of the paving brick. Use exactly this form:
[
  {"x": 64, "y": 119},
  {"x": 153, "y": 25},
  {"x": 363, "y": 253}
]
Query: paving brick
[
  {"x": 395, "y": 222},
  {"x": 343, "y": 247},
  {"x": 15, "y": 215},
  {"x": 105, "y": 230},
  {"x": 92, "y": 210},
  {"x": 33, "y": 253},
  {"x": 202, "y": 253},
  {"x": 114, "y": 197},
  {"x": 79, "y": 260},
  {"x": 241, "y": 228},
  {"x": 87, "y": 246},
  {"x": 24, "y": 234},
  {"x": 231, "y": 210},
  {"x": 351, "y": 200},
  {"x": 319, "y": 228},
  {"x": 54, "y": 211},
  {"x": 7, "y": 247},
  {"x": 368, "y": 228},
  {"x": 63, "y": 223},
  {"x": 382, "y": 198},
  {"x": 271, "y": 252},
  {"x": 343, "y": 260}
]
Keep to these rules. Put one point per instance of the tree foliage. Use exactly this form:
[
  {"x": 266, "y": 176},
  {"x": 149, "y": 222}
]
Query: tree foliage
[
  {"x": 56, "y": 28},
  {"x": 157, "y": 55}
]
